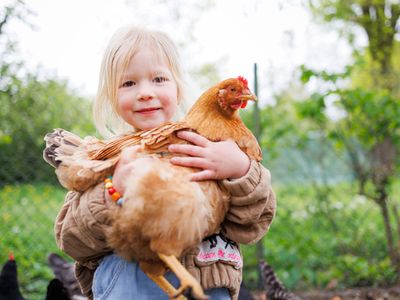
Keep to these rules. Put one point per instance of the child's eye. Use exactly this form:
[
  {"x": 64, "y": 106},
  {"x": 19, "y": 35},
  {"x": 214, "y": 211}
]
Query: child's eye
[
  {"x": 160, "y": 79},
  {"x": 128, "y": 83}
]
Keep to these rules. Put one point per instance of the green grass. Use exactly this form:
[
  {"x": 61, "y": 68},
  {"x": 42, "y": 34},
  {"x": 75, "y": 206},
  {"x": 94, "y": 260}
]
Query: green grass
[
  {"x": 314, "y": 242},
  {"x": 27, "y": 214},
  {"x": 310, "y": 243}
]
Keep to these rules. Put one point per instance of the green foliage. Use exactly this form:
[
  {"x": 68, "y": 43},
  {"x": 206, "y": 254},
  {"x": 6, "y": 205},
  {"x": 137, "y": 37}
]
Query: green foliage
[
  {"x": 302, "y": 246},
  {"x": 369, "y": 126},
  {"x": 31, "y": 105},
  {"x": 27, "y": 214},
  {"x": 313, "y": 108},
  {"x": 308, "y": 249},
  {"x": 378, "y": 19},
  {"x": 366, "y": 72},
  {"x": 30, "y": 108},
  {"x": 364, "y": 106},
  {"x": 306, "y": 74},
  {"x": 278, "y": 125}
]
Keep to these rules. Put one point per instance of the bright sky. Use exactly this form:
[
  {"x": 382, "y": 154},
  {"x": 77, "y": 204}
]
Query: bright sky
[{"x": 70, "y": 36}]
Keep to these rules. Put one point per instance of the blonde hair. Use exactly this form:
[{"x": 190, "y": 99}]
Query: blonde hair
[{"x": 123, "y": 46}]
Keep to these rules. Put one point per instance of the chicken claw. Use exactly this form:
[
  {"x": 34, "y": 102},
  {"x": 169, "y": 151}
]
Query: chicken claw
[
  {"x": 166, "y": 286},
  {"x": 186, "y": 279}
]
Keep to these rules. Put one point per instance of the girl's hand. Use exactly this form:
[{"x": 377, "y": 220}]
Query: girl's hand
[
  {"x": 218, "y": 160},
  {"x": 124, "y": 167}
]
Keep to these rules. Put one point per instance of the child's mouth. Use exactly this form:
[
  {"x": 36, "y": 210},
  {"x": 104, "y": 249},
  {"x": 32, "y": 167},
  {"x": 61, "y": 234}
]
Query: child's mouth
[{"x": 147, "y": 111}]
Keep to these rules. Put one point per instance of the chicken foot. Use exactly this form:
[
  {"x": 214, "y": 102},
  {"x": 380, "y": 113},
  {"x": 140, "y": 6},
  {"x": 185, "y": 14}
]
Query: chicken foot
[
  {"x": 166, "y": 286},
  {"x": 186, "y": 279}
]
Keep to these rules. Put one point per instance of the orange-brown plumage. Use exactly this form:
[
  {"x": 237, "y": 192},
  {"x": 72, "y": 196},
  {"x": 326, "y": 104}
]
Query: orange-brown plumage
[{"x": 164, "y": 212}]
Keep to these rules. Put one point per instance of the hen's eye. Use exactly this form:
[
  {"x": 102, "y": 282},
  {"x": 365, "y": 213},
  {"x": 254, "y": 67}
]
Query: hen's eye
[
  {"x": 233, "y": 90},
  {"x": 128, "y": 83},
  {"x": 160, "y": 79}
]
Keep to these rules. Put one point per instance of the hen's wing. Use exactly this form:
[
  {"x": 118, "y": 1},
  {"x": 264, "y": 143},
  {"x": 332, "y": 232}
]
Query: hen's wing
[
  {"x": 68, "y": 153},
  {"x": 158, "y": 140},
  {"x": 153, "y": 141}
]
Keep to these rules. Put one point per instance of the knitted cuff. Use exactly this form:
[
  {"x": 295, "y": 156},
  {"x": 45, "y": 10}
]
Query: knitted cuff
[{"x": 243, "y": 186}]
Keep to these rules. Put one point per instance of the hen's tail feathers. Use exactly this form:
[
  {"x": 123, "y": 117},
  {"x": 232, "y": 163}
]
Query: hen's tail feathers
[
  {"x": 68, "y": 153},
  {"x": 273, "y": 286},
  {"x": 64, "y": 272},
  {"x": 64, "y": 147},
  {"x": 60, "y": 143}
]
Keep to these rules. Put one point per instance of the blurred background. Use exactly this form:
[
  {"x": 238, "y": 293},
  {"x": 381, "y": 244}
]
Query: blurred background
[{"x": 328, "y": 120}]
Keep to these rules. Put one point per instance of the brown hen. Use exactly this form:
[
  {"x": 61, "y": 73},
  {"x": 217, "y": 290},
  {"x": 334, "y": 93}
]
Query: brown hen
[{"x": 164, "y": 213}]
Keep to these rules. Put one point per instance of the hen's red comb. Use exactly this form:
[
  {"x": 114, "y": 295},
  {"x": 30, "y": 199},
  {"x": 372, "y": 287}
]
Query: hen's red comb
[
  {"x": 243, "y": 80},
  {"x": 11, "y": 256}
]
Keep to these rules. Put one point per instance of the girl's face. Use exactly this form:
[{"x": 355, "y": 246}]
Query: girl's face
[{"x": 148, "y": 93}]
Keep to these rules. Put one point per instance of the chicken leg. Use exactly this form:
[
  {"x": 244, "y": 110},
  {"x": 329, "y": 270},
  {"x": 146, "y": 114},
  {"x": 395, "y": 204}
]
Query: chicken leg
[
  {"x": 166, "y": 286},
  {"x": 186, "y": 279}
]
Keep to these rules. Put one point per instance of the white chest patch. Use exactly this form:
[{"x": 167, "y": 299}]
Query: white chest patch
[{"x": 219, "y": 248}]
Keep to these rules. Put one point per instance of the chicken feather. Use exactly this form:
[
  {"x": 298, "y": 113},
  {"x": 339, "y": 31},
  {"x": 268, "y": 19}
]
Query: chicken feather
[{"x": 164, "y": 213}]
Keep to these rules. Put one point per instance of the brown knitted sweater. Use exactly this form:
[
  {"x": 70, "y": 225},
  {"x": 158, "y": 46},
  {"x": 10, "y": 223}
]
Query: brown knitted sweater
[{"x": 84, "y": 218}]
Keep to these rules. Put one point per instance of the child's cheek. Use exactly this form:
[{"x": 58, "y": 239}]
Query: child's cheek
[{"x": 125, "y": 104}]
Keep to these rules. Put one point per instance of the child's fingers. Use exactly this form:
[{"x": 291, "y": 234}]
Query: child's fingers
[
  {"x": 203, "y": 175},
  {"x": 193, "y": 138},
  {"x": 186, "y": 149},
  {"x": 194, "y": 162}
]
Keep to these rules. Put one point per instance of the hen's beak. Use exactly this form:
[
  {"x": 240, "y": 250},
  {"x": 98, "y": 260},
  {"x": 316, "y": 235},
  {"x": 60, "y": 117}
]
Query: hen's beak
[
  {"x": 241, "y": 100},
  {"x": 247, "y": 97}
]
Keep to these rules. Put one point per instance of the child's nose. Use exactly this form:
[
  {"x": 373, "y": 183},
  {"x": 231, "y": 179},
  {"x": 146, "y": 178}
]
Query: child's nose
[{"x": 145, "y": 92}]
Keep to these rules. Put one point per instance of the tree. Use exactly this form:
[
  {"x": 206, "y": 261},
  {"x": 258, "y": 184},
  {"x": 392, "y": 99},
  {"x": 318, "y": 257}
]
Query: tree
[
  {"x": 378, "y": 19},
  {"x": 31, "y": 107},
  {"x": 370, "y": 128}
]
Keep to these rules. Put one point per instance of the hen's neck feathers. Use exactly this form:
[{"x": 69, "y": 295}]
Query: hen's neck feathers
[{"x": 209, "y": 120}]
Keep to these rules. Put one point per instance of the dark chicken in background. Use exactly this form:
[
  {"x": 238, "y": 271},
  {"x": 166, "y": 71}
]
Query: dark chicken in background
[
  {"x": 65, "y": 286},
  {"x": 274, "y": 288},
  {"x": 56, "y": 291},
  {"x": 65, "y": 283},
  {"x": 245, "y": 293},
  {"x": 9, "y": 287}
]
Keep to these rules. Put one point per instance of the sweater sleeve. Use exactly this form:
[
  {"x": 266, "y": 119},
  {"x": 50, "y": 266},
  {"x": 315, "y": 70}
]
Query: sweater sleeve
[
  {"x": 81, "y": 225},
  {"x": 252, "y": 205}
]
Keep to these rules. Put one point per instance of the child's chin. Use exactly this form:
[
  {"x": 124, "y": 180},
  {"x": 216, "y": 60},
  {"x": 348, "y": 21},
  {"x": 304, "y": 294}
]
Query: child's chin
[{"x": 152, "y": 124}]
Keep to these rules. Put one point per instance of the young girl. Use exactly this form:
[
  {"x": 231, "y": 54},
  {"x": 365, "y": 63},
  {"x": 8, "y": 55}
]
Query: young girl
[{"x": 141, "y": 87}]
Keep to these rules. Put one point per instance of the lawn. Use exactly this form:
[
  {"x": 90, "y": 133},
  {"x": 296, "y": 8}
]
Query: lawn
[
  {"x": 310, "y": 243},
  {"x": 335, "y": 240},
  {"x": 27, "y": 214}
]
